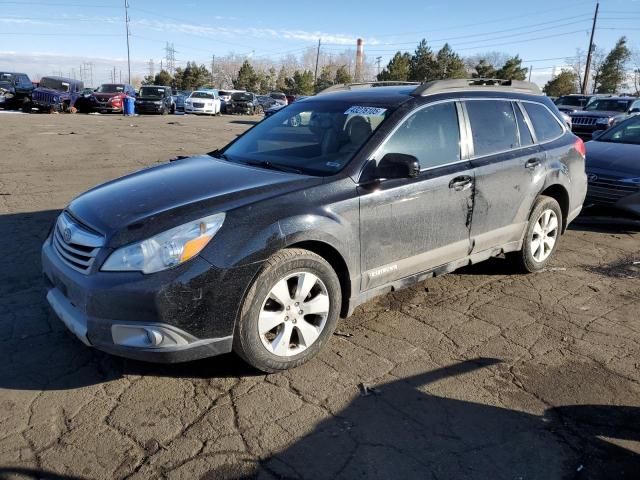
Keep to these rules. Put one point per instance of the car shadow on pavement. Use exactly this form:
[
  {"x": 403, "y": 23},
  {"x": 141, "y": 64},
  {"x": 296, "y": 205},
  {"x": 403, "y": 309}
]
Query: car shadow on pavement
[
  {"x": 401, "y": 430},
  {"x": 245, "y": 122}
]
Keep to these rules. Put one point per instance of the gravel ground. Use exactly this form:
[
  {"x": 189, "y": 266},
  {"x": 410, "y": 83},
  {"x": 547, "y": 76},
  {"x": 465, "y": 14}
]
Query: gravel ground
[{"x": 479, "y": 374}]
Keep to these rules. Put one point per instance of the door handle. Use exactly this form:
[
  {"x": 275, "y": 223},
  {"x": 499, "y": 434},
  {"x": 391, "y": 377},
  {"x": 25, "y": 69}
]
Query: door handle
[
  {"x": 461, "y": 183},
  {"x": 532, "y": 163}
]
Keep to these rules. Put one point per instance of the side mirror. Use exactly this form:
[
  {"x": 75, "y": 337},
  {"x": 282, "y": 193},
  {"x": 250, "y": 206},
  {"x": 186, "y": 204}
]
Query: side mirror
[
  {"x": 597, "y": 134},
  {"x": 398, "y": 165},
  {"x": 635, "y": 110}
]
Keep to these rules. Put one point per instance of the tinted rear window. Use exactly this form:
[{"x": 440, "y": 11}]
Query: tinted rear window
[
  {"x": 493, "y": 126},
  {"x": 544, "y": 122}
]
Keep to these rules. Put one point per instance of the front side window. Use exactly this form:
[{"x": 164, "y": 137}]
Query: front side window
[
  {"x": 431, "y": 134},
  {"x": 493, "y": 126},
  {"x": 545, "y": 123},
  {"x": 315, "y": 138}
]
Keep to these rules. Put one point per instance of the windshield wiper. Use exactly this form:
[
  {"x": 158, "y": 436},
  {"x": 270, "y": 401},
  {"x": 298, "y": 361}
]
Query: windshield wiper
[
  {"x": 273, "y": 166},
  {"x": 219, "y": 154}
]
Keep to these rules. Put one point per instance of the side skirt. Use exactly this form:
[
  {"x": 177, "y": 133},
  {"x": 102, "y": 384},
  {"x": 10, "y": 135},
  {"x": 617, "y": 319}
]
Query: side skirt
[{"x": 478, "y": 257}]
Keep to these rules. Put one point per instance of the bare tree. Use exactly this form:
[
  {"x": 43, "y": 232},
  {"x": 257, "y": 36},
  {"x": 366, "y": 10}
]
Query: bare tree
[
  {"x": 597, "y": 60},
  {"x": 578, "y": 64}
]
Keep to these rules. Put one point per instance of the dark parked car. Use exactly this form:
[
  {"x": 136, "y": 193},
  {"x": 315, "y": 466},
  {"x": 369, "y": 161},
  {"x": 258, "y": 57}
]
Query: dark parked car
[
  {"x": 259, "y": 247},
  {"x": 57, "y": 94},
  {"x": 110, "y": 97},
  {"x": 613, "y": 167},
  {"x": 15, "y": 91},
  {"x": 266, "y": 101},
  {"x": 572, "y": 103},
  {"x": 179, "y": 97},
  {"x": 602, "y": 113},
  {"x": 155, "y": 99},
  {"x": 244, "y": 102},
  {"x": 275, "y": 108}
]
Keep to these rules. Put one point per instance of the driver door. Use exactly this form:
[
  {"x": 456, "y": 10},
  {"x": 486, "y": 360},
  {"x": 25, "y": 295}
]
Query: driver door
[{"x": 411, "y": 225}]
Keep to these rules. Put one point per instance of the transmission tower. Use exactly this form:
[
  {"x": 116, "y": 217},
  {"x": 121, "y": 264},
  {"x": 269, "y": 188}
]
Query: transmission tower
[{"x": 170, "y": 57}]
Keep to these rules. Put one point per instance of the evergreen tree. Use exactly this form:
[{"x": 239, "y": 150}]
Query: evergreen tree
[
  {"x": 247, "y": 78},
  {"x": 281, "y": 80},
  {"x": 342, "y": 75},
  {"x": 484, "y": 69},
  {"x": 324, "y": 80},
  {"x": 397, "y": 69},
  {"x": 301, "y": 83},
  {"x": 192, "y": 77},
  {"x": 163, "y": 78},
  {"x": 449, "y": 64},
  {"x": 422, "y": 67},
  {"x": 512, "y": 70},
  {"x": 564, "y": 83},
  {"x": 611, "y": 75}
]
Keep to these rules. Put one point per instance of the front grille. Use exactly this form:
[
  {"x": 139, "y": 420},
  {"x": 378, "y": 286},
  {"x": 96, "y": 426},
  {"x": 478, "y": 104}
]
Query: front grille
[
  {"x": 583, "y": 120},
  {"x": 198, "y": 105},
  {"x": 81, "y": 246},
  {"x": 608, "y": 190}
]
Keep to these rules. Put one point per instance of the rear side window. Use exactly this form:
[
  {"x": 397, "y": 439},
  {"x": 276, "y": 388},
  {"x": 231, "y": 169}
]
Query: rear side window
[
  {"x": 544, "y": 122},
  {"x": 525, "y": 134},
  {"x": 431, "y": 135},
  {"x": 493, "y": 126}
]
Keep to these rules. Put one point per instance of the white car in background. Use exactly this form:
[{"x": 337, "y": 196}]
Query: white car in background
[{"x": 206, "y": 102}]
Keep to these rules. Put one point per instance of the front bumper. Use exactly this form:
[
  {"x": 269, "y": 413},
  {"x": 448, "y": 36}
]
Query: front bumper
[
  {"x": 611, "y": 193},
  {"x": 209, "y": 111},
  {"x": 586, "y": 131},
  {"x": 185, "y": 302},
  {"x": 149, "y": 108}
]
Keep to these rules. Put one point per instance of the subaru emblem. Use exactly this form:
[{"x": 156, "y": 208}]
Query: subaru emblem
[
  {"x": 592, "y": 178},
  {"x": 66, "y": 234}
]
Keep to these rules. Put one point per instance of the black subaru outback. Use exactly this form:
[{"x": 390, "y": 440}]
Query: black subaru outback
[{"x": 260, "y": 246}]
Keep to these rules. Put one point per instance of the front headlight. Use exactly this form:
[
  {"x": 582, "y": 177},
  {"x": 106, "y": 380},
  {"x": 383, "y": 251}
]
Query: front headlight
[
  {"x": 167, "y": 249},
  {"x": 603, "y": 121}
]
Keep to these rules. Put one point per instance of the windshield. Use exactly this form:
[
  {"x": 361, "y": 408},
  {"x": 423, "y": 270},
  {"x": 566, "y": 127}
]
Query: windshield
[
  {"x": 6, "y": 77},
  {"x": 572, "y": 101},
  {"x": 626, "y": 132},
  {"x": 202, "y": 95},
  {"x": 110, "y": 88},
  {"x": 157, "y": 92},
  {"x": 609, "y": 105},
  {"x": 315, "y": 138},
  {"x": 278, "y": 96},
  {"x": 241, "y": 97},
  {"x": 54, "y": 84}
]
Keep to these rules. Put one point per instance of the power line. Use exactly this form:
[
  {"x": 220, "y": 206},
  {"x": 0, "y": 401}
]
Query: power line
[{"x": 48, "y": 4}]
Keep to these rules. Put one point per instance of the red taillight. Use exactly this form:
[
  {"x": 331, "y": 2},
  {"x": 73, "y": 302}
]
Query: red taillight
[{"x": 579, "y": 146}]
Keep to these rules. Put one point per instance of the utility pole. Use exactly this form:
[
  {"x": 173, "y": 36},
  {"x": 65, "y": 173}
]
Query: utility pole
[
  {"x": 213, "y": 63},
  {"x": 114, "y": 75},
  {"x": 126, "y": 21},
  {"x": 378, "y": 60},
  {"x": 315, "y": 76},
  {"x": 587, "y": 68},
  {"x": 530, "y": 69}
]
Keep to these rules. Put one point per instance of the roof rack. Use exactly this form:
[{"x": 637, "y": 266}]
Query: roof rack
[
  {"x": 353, "y": 86},
  {"x": 439, "y": 86}
]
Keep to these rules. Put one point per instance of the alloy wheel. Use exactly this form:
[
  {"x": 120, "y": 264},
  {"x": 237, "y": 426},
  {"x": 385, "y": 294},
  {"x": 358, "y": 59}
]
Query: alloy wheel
[
  {"x": 545, "y": 235},
  {"x": 294, "y": 314}
]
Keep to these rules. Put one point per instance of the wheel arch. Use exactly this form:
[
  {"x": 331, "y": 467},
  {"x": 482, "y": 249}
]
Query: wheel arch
[
  {"x": 559, "y": 194},
  {"x": 337, "y": 262}
]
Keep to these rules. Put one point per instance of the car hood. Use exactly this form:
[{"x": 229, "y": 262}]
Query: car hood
[
  {"x": 620, "y": 159},
  {"x": 108, "y": 95},
  {"x": 6, "y": 85},
  {"x": 595, "y": 113},
  {"x": 152, "y": 200}
]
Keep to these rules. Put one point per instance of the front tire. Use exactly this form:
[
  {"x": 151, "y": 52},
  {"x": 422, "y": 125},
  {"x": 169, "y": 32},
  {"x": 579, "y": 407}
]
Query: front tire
[
  {"x": 541, "y": 237},
  {"x": 290, "y": 311}
]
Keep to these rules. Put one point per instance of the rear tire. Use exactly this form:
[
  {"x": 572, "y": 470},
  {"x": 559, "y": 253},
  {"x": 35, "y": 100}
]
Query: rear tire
[
  {"x": 541, "y": 237},
  {"x": 290, "y": 311},
  {"x": 27, "y": 106}
]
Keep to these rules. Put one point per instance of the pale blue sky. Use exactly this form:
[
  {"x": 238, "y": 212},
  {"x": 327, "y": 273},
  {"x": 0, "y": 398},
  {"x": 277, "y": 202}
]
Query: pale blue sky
[{"x": 41, "y": 37}]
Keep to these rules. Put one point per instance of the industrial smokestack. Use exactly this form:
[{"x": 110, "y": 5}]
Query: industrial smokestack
[{"x": 359, "y": 60}]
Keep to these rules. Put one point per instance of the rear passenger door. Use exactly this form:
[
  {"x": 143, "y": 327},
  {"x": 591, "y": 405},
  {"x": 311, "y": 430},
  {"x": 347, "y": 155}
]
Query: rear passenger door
[{"x": 508, "y": 168}]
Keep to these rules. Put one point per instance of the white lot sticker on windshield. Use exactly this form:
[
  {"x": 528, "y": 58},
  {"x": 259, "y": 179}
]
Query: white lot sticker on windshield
[{"x": 370, "y": 111}]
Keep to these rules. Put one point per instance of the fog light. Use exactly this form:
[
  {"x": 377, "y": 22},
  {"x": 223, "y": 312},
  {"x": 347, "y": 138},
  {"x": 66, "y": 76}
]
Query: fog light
[{"x": 149, "y": 336}]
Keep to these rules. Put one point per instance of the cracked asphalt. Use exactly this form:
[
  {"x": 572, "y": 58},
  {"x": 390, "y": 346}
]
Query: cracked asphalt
[{"x": 479, "y": 374}]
